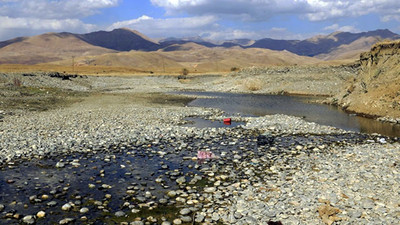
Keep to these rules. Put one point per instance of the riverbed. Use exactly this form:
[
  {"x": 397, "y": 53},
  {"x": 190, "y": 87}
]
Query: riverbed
[{"x": 299, "y": 106}]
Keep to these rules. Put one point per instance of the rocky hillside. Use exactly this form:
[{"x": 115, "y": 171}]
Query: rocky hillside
[{"x": 376, "y": 89}]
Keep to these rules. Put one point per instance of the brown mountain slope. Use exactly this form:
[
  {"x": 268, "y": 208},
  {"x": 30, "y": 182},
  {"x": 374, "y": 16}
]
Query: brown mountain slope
[
  {"x": 183, "y": 47},
  {"x": 376, "y": 90},
  {"x": 46, "y": 48},
  {"x": 352, "y": 50},
  {"x": 200, "y": 60}
]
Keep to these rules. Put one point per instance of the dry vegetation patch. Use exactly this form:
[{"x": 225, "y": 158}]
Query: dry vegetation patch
[{"x": 253, "y": 84}]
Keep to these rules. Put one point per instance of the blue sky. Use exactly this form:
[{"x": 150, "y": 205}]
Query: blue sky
[{"x": 210, "y": 19}]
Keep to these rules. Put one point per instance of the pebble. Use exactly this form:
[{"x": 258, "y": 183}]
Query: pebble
[
  {"x": 29, "y": 219},
  {"x": 120, "y": 214},
  {"x": 177, "y": 221},
  {"x": 84, "y": 210},
  {"x": 60, "y": 165},
  {"x": 66, "y": 221},
  {"x": 185, "y": 211},
  {"x": 137, "y": 223},
  {"x": 210, "y": 189},
  {"x": 66, "y": 207},
  {"x": 41, "y": 214},
  {"x": 181, "y": 180},
  {"x": 186, "y": 219},
  {"x": 171, "y": 194}
]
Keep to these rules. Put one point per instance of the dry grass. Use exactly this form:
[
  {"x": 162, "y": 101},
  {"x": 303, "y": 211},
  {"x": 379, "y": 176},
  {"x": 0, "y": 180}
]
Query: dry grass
[
  {"x": 95, "y": 70},
  {"x": 80, "y": 70},
  {"x": 385, "y": 43},
  {"x": 253, "y": 84}
]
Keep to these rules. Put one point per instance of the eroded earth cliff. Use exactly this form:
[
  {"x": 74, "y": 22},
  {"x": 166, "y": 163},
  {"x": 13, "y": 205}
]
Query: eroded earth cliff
[{"x": 376, "y": 89}]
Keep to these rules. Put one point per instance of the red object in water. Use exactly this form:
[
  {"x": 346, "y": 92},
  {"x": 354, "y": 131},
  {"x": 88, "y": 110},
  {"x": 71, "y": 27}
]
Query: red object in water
[{"x": 228, "y": 121}]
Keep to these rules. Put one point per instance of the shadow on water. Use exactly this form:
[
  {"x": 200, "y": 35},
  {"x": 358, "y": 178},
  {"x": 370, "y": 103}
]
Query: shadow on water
[{"x": 260, "y": 105}]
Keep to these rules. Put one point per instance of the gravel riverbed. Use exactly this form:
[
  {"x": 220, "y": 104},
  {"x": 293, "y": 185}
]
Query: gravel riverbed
[{"x": 112, "y": 159}]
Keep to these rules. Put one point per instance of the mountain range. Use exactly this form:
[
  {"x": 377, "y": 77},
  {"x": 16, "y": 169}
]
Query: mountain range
[{"x": 121, "y": 45}]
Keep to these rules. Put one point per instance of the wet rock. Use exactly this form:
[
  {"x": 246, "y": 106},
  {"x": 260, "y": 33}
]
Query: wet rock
[
  {"x": 177, "y": 221},
  {"x": 84, "y": 210},
  {"x": 210, "y": 189},
  {"x": 120, "y": 214},
  {"x": 29, "y": 219},
  {"x": 199, "y": 218},
  {"x": 181, "y": 180},
  {"x": 186, "y": 219},
  {"x": 60, "y": 165},
  {"x": 66, "y": 221},
  {"x": 137, "y": 223},
  {"x": 185, "y": 211},
  {"x": 41, "y": 214},
  {"x": 66, "y": 207},
  {"x": 52, "y": 203},
  {"x": 172, "y": 194}
]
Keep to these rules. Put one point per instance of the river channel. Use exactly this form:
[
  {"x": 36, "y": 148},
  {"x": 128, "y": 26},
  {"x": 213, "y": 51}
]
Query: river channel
[{"x": 260, "y": 105}]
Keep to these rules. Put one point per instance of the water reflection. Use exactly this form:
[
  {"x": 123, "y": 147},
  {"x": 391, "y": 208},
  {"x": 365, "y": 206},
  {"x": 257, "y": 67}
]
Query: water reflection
[{"x": 260, "y": 105}]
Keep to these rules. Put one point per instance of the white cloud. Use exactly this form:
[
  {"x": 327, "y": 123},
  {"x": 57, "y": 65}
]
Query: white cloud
[
  {"x": 202, "y": 26},
  {"x": 243, "y": 9},
  {"x": 43, "y": 24},
  {"x": 313, "y": 10},
  {"x": 393, "y": 17},
  {"x": 336, "y": 27},
  {"x": 49, "y": 9},
  {"x": 28, "y": 17},
  {"x": 171, "y": 27},
  {"x": 12, "y": 27}
]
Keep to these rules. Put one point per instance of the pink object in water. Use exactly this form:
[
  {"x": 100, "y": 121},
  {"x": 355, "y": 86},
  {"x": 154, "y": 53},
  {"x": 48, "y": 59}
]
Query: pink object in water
[{"x": 205, "y": 155}]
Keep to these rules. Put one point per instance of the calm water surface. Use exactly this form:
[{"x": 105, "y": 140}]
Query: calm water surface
[{"x": 260, "y": 105}]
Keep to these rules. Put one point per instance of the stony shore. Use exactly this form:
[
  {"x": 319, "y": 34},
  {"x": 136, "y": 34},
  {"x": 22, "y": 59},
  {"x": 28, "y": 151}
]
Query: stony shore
[{"x": 275, "y": 169}]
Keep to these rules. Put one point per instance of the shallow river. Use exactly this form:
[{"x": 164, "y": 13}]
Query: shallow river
[{"x": 260, "y": 105}]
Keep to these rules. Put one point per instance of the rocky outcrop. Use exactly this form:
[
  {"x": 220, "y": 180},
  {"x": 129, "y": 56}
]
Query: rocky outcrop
[{"x": 376, "y": 89}]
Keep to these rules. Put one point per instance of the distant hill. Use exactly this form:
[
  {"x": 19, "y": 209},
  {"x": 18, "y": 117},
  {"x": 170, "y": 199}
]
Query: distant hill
[
  {"x": 350, "y": 51},
  {"x": 326, "y": 44},
  {"x": 52, "y": 47},
  {"x": 181, "y": 41},
  {"x": 46, "y": 48},
  {"x": 121, "y": 40},
  {"x": 237, "y": 42},
  {"x": 338, "y": 45},
  {"x": 195, "y": 58}
]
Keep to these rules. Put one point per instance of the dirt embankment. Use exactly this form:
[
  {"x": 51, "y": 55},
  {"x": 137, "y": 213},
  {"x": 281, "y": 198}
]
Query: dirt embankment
[{"x": 376, "y": 89}]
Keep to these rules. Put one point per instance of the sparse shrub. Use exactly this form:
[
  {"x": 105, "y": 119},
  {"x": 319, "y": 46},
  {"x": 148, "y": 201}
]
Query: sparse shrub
[
  {"x": 17, "y": 82},
  {"x": 234, "y": 69},
  {"x": 253, "y": 84},
  {"x": 185, "y": 72},
  {"x": 182, "y": 77}
]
